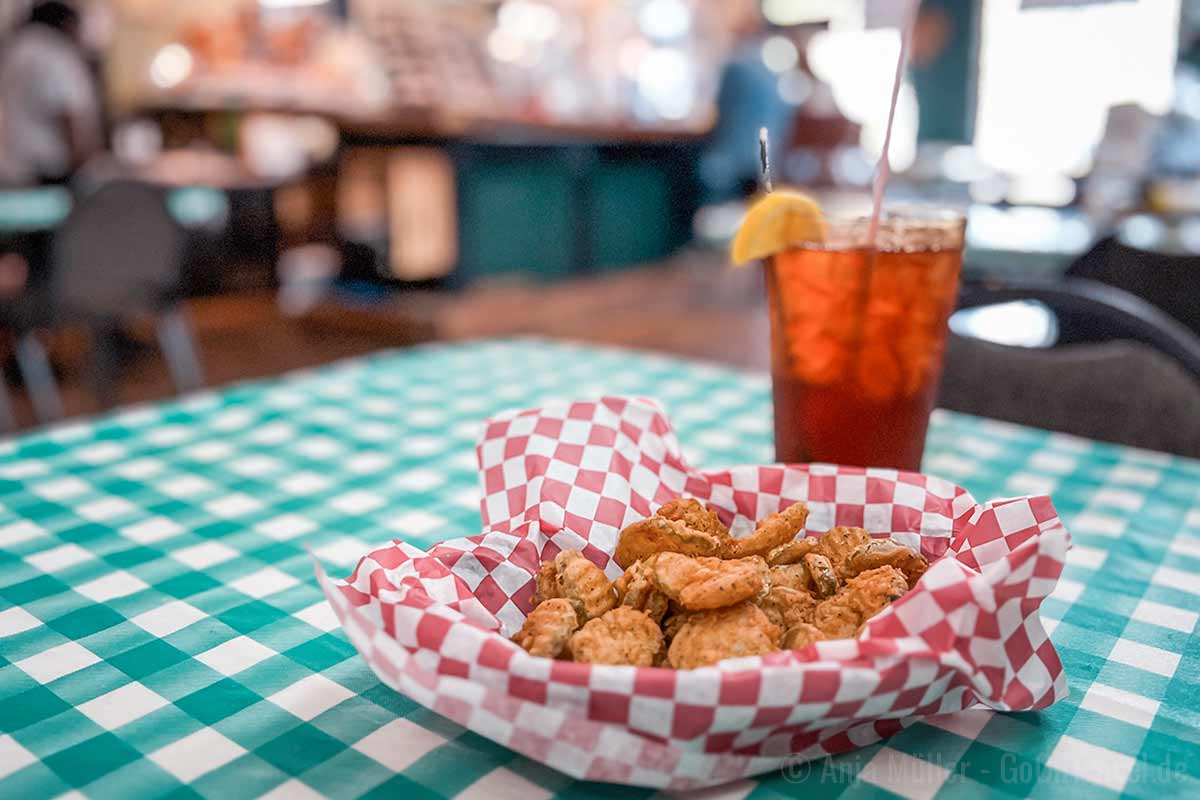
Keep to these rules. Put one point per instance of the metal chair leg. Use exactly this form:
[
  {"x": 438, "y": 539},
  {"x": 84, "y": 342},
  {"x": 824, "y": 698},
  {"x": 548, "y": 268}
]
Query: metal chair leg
[
  {"x": 8, "y": 421},
  {"x": 39, "y": 379},
  {"x": 179, "y": 348},
  {"x": 106, "y": 363}
]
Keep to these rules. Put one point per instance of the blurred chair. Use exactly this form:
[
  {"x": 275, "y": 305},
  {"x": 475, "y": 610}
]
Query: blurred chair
[
  {"x": 118, "y": 257},
  {"x": 115, "y": 258},
  {"x": 1169, "y": 280},
  {"x": 1123, "y": 371}
]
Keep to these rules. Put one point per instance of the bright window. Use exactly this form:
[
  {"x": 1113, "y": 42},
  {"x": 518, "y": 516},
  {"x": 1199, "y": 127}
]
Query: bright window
[{"x": 1047, "y": 77}]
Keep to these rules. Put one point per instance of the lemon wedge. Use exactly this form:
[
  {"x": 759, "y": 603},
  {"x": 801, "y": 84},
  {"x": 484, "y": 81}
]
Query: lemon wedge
[{"x": 777, "y": 221}]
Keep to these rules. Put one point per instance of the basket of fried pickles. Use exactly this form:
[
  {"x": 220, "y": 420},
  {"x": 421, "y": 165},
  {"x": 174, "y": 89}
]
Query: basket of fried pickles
[
  {"x": 693, "y": 595},
  {"x": 626, "y": 617}
]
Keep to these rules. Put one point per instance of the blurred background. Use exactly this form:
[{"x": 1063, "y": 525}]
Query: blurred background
[{"x": 198, "y": 193}]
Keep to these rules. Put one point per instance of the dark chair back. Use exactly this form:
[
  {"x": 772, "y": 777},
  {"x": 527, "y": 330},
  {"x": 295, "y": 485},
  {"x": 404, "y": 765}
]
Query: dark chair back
[
  {"x": 1121, "y": 391},
  {"x": 117, "y": 254},
  {"x": 1170, "y": 282},
  {"x": 1124, "y": 371},
  {"x": 1091, "y": 312}
]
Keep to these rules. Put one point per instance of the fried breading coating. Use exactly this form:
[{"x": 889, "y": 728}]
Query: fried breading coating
[
  {"x": 884, "y": 551},
  {"x": 801, "y": 635},
  {"x": 694, "y": 514},
  {"x": 792, "y": 552},
  {"x": 547, "y": 583},
  {"x": 863, "y": 596},
  {"x": 660, "y": 535},
  {"x": 777, "y": 529},
  {"x": 824, "y": 579},
  {"x": 582, "y": 581},
  {"x": 622, "y": 636},
  {"x": 636, "y": 589},
  {"x": 787, "y": 607},
  {"x": 548, "y": 627},
  {"x": 710, "y": 636},
  {"x": 838, "y": 543},
  {"x": 793, "y": 576},
  {"x": 703, "y": 583}
]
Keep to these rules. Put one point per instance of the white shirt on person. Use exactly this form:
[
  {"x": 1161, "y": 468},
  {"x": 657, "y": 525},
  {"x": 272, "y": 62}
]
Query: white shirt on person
[{"x": 43, "y": 79}]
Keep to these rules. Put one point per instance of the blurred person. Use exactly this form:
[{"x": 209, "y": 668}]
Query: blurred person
[
  {"x": 49, "y": 104},
  {"x": 747, "y": 99}
]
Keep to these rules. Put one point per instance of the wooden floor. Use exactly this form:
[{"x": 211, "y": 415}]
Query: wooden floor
[{"x": 691, "y": 306}]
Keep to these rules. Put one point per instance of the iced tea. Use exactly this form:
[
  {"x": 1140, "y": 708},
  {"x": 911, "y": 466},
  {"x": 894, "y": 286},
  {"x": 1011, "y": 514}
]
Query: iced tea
[{"x": 858, "y": 335}]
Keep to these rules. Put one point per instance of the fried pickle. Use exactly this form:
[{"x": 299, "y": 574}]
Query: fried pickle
[
  {"x": 582, "y": 581},
  {"x": 838, "y": 543},
  {"x": 824, "y": 579},
  {"x": 703, "y": 583},
  {"x": 547, "y": 583},
  {"x": 622, "y": 636},
  {"x": 777, "y": 529},
  {"x": 792, "y": 552},
  {"x": 695, "y": 515},
  {"x": 863, "y": 596},
  {"x": 787, "y": 607},
  {"x": 548, "y": 627},
  {"x": 710, "y": 636},
  {"x": 801, "y": 635},
  {"x": 660, "y": 535},
  {"x": 793, "y": 576},
  {"x": 884, "y": 551},
  {"x": 636, "y": 589}
]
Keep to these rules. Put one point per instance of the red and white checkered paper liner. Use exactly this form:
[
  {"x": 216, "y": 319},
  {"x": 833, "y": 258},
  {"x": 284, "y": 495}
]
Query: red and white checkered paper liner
[{"x": 433, "y": 625}]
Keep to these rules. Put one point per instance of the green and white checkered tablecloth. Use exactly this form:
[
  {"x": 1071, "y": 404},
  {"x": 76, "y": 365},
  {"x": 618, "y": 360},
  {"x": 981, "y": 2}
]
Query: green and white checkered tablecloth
[{"x": 161, "y": 632}]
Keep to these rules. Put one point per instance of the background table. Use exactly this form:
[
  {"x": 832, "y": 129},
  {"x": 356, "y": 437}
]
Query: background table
[{"x": 161, "y": 631}]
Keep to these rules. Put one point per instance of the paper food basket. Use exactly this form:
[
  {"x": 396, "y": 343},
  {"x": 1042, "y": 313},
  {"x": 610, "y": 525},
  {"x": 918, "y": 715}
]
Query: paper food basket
[{"x": 434, "y": 625}]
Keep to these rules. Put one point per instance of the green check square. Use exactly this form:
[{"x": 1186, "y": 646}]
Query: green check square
[
  {"x": 349, "y": 773},
  {"x": 218, "y": 529},
  {"x": 29, "y": 707},
  {"x": 147, "y": 659},
  {"x": 149, "y": 779},
  {"x": 1012, "y": 772},
  {"x": 1175, "y": 757},
  {"x": 119, "y": 487},
  {"x": 86, "y": 621},
  {"x": 172, "y": 509},
  {"x": 386, "y": 697},
  {"x": 90, "y": 759},
  {"x": 133, "y": 556},
  {"x": 251, "y": 616},
  {"x": 1058, "y": 785},
  {"x": 588, "y": 790},
  {"x": 299, "y": 749},
  {"x": 400, "y": 786},
  {"x": 960, "y": 787},
  {"x": 187, "y": 584},
  {"x": 276, "y": 553},
  {"x": 321, "y": 653},
  {"x": 459, "y": 762},
  {"x": 87, "y": 532},
  {"x": 26, "y": 592},
  {"x": 38, "y": 509},
  {"x": 245, "y": 776},
  {"x": 214, "y": 703}
]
